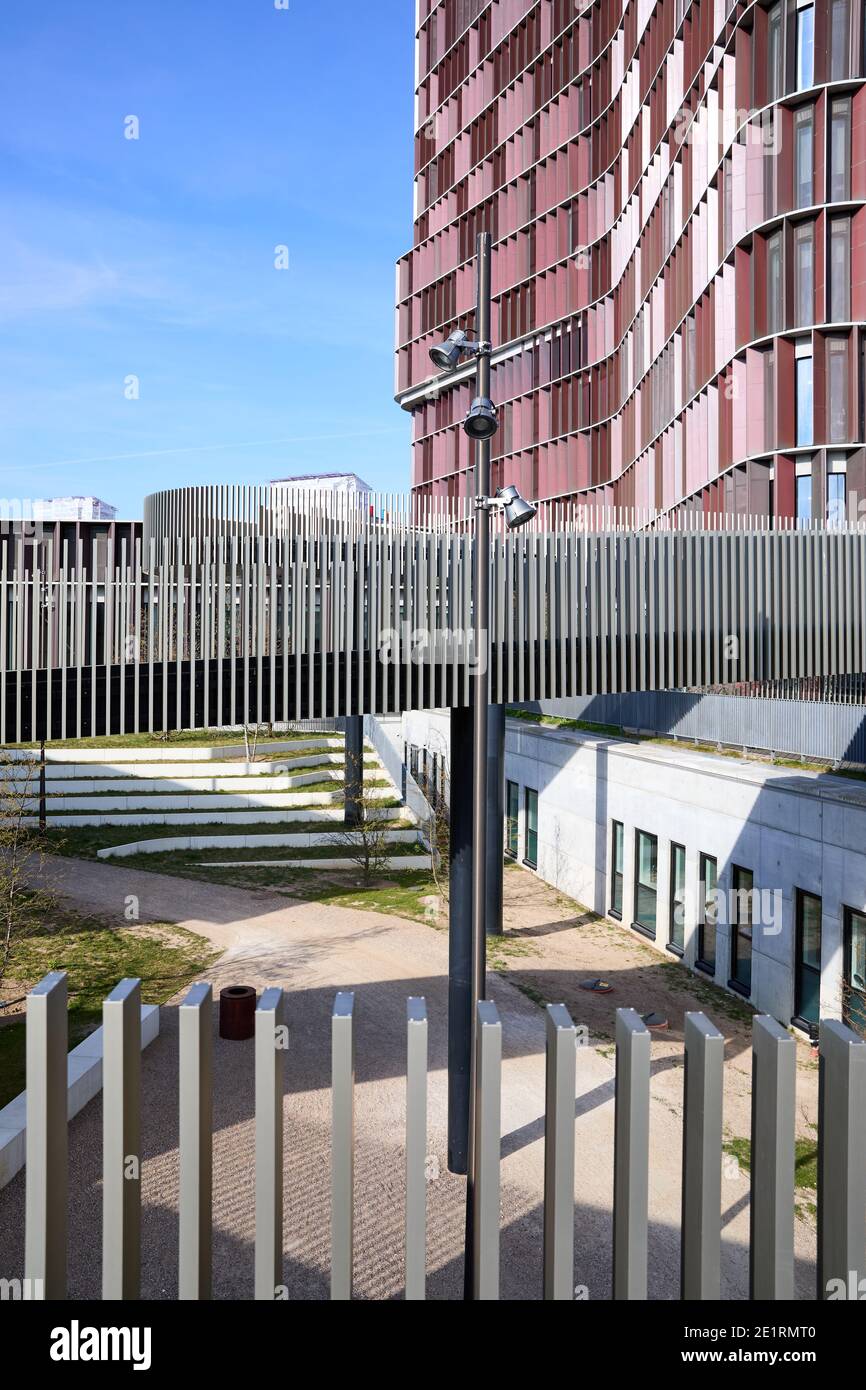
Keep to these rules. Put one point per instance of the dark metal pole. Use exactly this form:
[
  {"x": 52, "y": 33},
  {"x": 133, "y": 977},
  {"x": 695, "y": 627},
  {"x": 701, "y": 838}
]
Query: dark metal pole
[
  {"x": 460, "y": 939},
  {"x": 481, "y": 578},
  {"x": 495, "y": 816},
  {"x": 354, "y": 769},
  {"x": 43, "y": 807}
]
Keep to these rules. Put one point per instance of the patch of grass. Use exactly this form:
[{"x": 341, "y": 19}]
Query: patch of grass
[
  {"x": 185, "y": 738},
  {"x": 805, "y": 1160},
  {"x": 82, "y": 842},
  {"x": 96, "y": 955},
  {"x": 404, "y": 894},
  {"x": 555, "y": 721}
]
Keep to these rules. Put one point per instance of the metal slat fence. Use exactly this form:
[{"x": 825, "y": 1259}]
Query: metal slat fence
[
  {"x": 257, "y": 630},
  {"x": 841, "y": 1145},
  {"x": 803, "y": 728}
]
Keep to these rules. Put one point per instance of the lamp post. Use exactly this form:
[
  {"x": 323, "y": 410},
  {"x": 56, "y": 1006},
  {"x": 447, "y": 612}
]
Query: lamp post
[
  {"x": 480, "y": 425},
  {"x": 481, "y": 582}
]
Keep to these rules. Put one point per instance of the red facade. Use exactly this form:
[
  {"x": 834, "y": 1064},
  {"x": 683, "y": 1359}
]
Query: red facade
[{"x": 676, "y": 198}]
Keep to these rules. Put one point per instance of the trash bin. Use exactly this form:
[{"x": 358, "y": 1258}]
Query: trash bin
[{"x": 237, "y": 1012}]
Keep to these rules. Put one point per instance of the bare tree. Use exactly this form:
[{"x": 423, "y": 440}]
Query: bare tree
[
  {"x": 366, "y": 843},
  {"x": 251, "y": 741},
  {"x": 23, "y": 904}
]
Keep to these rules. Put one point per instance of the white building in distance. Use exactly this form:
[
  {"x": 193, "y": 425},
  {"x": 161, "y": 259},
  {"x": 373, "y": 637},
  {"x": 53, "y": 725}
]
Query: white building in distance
[
  {"x": 72, "y": 509},
  {"x": 324, "y": 482}
]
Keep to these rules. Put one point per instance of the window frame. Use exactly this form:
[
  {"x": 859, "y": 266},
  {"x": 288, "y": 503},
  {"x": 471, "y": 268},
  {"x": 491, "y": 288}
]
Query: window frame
[
  {"x": 512, "y": 823},
  {"x": 848, "y": 915},
  {"x": 702, "y": 961},
  {"x": 801, "y": 894},
  {"x": 637, "y": 924},
  {"x": 529, "y": 861},
  {"x": 676, "y": 943},
  {"x": 617, "y": 876},
  {"x": 737, "y": 927}
]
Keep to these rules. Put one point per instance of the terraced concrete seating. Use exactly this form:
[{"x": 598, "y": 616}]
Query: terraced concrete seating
[
  {"x": 299, "y": 840},
  {"x": 144, "y": 786},
  {"x": 171, "y": 753}
]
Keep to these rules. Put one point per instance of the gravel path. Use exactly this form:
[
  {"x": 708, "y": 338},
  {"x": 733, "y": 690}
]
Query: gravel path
[{"x": 313, "y": 950}]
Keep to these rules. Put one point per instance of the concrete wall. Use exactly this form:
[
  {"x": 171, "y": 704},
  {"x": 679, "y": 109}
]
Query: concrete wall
[{"x": 793, "y": 829}]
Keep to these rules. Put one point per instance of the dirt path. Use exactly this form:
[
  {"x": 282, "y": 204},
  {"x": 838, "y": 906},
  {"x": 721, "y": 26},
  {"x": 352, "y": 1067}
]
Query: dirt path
[
  {"x": 313, "y": 950},
  {"x": 550, "y": 946}
]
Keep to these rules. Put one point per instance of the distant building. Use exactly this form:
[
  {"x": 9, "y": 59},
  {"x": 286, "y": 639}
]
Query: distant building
[
  {"x": 325, "y": 482},
  {"x": 73, "y": 509}
]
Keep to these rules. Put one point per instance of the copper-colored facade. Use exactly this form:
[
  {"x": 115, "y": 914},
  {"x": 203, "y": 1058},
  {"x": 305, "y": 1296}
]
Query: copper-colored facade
[{"x": 676, "y": 198}]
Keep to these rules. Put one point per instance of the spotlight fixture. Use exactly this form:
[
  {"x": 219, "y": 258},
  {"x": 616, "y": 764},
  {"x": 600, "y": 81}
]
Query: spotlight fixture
[
  {"x": 517, "y": 510},
  {"x": 481, "y": 421},
  {"x": 448, "y": 354}
]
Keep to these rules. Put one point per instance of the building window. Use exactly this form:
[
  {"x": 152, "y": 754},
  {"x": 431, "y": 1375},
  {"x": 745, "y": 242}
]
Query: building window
[
  {"x": 774, "y": 283},
  {"x": 807, "y": 981},
  {"x": 775, "y": 85},
  {"x": 804, "y": 275},
  {"x": 803, "y": 156},
  {"x": 531, "y": 808},
  {"x": 854, "y": 995},
  {"x": 677, "y": 932},
  {"x": 840, "y": 270},
  {"x": 840, "y": 40},
  {"x": 835, "y": 494},
  {"x": 803, "y": 496},
  {"x": 646, "y": 882},
  {"x": 839, "y": 183},
  {"x": 769, "y": 399},
  {"x": 805, "y": 45},
  {"x": 512, "y": 810},
  {"x": 706, "y": 957},
  {"x": 803, "y": 367},
  {"x": 691, "y": 358},
  {"x": 741, "y": 929},
  {"x": 837, "y": 390},
  {"x": 617, "y": 857}
]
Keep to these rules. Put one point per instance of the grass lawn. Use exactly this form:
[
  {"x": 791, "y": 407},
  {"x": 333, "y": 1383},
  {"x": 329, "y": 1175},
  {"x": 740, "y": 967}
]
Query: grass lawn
[
  {"x": 805, "y": 1168},
  {"x": 186, "y": 738},
  {"x": 82, "y": 842},
  {"x": 179, "y": 862},
  {"x": 555, "y": 721},
  {"x": 96, "y": 956}
]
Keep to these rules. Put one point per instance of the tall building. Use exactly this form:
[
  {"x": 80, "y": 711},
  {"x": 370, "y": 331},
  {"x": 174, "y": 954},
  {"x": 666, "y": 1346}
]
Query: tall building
[{"x": 675, "y": 196}]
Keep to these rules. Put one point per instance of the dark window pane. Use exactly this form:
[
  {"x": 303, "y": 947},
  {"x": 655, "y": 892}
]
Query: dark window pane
[
  {"x": 742, "y": 917},
  {"x": 646, "y": 881},
  {"x": 678, "y": 896},
  {"x": 616, "y": 877},
  {"x": 512, "y": 812},
  {"x": 531, "y": 828},
  {"x": 708, "y": 909}
]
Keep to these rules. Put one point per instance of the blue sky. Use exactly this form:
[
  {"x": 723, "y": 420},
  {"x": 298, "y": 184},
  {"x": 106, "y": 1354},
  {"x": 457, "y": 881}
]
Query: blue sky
[{"x": 153, "y": 258}]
